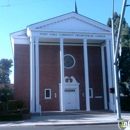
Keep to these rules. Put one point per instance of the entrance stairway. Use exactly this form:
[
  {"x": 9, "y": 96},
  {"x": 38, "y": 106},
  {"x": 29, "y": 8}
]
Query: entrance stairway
[{"x": 72, "y": 112}]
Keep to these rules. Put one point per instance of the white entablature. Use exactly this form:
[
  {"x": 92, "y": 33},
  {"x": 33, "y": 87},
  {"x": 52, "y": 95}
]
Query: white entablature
[{"x": 70, "y": 22}]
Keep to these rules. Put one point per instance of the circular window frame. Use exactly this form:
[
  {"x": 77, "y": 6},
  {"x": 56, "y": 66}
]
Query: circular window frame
[{"x": 73, "y": 60}]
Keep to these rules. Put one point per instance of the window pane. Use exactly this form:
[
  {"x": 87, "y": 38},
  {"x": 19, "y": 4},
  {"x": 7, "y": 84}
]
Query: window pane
[
  {"x": 90, "y": 92},
  {"x": 47, "y": 93}
]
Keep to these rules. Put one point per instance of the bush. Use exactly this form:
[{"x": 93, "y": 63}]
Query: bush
[
  {"x": 25, "y": 111},
  {"x": 14, "y": 111},
  {"x": 7, "y": 93},
  {"x": 11, "y": 117},
  {"x": 15, "y": 104},
  {"x": 1, "y": 107},
  {"x": 125, "y": 103}
]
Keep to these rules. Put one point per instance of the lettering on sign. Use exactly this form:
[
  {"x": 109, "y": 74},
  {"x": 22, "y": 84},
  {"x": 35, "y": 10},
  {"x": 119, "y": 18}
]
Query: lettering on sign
[
  {"x": 83, "y": 35},
  {"x": 99, "y": 35},
  {"x": 45, "y": 34},
  {"x": 53, "y": 34},
  {"x": 72, "y": 35},
  {"x": 66, "y": 34}
]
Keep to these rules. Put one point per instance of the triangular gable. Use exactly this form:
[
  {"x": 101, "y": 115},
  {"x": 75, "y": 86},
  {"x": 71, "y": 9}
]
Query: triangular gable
[{"x": 71, "y": 22}]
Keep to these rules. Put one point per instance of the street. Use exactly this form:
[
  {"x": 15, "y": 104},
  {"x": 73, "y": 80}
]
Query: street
[{"x": 73, "y": 127}]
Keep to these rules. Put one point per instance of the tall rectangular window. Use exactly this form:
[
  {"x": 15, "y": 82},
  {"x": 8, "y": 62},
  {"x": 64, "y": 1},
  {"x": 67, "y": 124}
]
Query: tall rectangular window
[
  {"x": 47, "y": 93},
  {"x": 90, "y": 92}
]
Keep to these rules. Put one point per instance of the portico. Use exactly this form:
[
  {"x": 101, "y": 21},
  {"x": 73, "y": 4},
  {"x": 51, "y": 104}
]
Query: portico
[{"x": 55, "y": 37}]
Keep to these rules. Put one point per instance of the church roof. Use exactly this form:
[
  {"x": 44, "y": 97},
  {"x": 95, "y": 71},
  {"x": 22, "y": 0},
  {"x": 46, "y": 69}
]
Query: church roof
[{"x": 69, "y": 17}]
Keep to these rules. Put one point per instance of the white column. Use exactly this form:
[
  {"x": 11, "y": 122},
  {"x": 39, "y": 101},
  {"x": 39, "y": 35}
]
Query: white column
[
  {"x": 62, "y": 75},
  {"x": 104, "y": 78},
  {"x": 86, "y": 74},
  {"x": 37, "y": 74},
  {"x": 109, "y": 71},
  {"x": 112, "y": 61},
  {"x": 112, "y": 70},
  {"x": 32, "y": 77}
]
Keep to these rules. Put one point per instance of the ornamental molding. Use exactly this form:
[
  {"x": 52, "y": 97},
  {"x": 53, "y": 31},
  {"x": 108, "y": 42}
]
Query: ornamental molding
[
  {"x": 83, "y": 21},
  {"x": 71, "y": 16},
  {"x": 70, "y": 81}
]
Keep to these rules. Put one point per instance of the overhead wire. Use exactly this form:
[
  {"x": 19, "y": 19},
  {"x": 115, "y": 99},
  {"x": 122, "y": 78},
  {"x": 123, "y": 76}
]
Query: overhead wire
[{"x": 9, "y": 4}]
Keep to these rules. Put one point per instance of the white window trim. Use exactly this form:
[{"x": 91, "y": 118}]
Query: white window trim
[
  {"x": 50, "y": 94},
  {"x": 91, "y": 91}
]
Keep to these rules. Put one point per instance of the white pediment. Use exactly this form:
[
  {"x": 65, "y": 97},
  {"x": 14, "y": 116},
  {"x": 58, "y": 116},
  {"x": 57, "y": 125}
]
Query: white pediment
[{"x": 71, "y": 22}]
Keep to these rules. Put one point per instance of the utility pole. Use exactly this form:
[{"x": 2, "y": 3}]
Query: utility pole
[{"x": 116, "y": 53}]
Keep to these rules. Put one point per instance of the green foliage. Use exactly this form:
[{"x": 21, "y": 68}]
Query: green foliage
[
  {"x": 15, "y": 111},
  {"x": 12, "y": 106},
  {"x": 116, "y": 22},
  {"x": 125, "y": 103},
  {"x": 124, "y": 89},
  {"x": 1, "y": 108},
  {"x": 25, "y": 111},
  {"x": 11, "y": 117},
  {"x": 5, "y": 71},
  {"x": 6, "y": 93},
  {"x": 125, "y": 64},
  {"x": 124, "y": 59},
  {"x": 15, "y": 104}
]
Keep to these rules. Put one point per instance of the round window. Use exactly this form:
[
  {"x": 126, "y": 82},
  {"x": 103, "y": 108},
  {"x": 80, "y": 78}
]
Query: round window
[{"x": 69, "y": 61}]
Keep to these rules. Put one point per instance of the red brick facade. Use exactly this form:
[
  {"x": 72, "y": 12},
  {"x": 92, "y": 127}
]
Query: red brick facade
[
  {"x": 50, "y": 74},
  {"x": 22, "y": 74}
]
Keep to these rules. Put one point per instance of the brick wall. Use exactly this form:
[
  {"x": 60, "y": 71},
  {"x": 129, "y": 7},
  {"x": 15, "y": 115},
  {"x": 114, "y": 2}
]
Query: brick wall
[
  {"x": 22, "y": 74},
  {"x": 95, "y": 76},
  {"x": 78, "y": 70},
  {"x": 50, "y": 74}
]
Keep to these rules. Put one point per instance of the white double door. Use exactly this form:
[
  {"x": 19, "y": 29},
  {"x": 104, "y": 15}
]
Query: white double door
[{"x": 70, "y": 99}]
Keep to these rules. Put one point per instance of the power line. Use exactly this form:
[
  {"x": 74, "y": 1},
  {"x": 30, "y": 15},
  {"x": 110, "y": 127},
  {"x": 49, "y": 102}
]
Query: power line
[{"x": 9, "y": 4}]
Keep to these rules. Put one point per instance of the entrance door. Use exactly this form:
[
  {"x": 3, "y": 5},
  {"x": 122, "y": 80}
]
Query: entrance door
[{"x": 70, "y": 99}]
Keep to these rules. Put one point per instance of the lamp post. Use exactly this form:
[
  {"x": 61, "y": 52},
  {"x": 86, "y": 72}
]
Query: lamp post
[{"x": 116, "y": 52}]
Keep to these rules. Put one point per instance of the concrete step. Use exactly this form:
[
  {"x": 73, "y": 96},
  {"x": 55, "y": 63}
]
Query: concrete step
[{"x": 74, "y": 112}]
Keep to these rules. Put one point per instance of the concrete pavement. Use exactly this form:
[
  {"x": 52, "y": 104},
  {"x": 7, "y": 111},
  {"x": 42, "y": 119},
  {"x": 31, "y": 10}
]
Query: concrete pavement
[{"x": 68, "y": 119}]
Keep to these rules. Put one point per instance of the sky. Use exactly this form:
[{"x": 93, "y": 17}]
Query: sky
[{"x": 15, "y": 15}]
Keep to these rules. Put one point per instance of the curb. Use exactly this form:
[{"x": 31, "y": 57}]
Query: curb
[
  {"x": 58, "y": 124},
  {"x": 106, "y": 123}
]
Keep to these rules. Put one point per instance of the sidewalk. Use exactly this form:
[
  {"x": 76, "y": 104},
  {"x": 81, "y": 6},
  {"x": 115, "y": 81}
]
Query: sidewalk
[{"x": 80, "y": 119}]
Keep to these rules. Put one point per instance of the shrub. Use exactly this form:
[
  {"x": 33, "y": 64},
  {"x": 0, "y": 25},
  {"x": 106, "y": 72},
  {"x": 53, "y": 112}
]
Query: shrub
[
  {"x": 25, "y": 111},
  {"x": 1, "y": 107},
  {"x": 15, "y": 104},
  {"x": 6, "y": 92},
  {"x": 14, "y": 111},
  {"x": 11, "y": 117},
  {"x": 125, "y": 103}
]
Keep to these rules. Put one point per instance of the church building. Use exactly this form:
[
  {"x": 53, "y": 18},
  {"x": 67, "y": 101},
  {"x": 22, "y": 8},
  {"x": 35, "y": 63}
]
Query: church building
[{"x": 64, "y": 63}]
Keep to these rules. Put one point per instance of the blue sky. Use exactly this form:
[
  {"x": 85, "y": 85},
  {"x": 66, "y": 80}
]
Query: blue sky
[{"x": 21, "y": 13}]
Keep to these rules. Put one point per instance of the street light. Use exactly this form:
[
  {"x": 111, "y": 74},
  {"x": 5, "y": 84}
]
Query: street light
[{"x": 116, "y": 52}]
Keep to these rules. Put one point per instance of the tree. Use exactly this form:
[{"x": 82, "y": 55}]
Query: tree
[
  {"x": 124, "y": 59},
  {"x": 6, "y": 94},
  {"x": 5, "y": 71}
]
